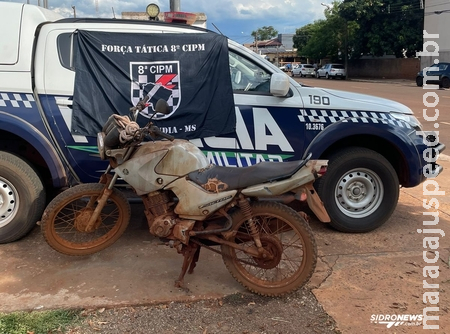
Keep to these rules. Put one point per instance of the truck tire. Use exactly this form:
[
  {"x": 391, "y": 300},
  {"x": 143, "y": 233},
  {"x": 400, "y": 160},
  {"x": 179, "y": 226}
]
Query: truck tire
[
  {"x": 22, "y": 197},
  {"x": 419, "y": 81},
  {"x": 359, "y": 190}
]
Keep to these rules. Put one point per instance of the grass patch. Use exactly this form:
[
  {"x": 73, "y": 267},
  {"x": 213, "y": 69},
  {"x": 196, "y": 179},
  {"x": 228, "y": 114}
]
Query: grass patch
[{"x": 45, "y": 322}]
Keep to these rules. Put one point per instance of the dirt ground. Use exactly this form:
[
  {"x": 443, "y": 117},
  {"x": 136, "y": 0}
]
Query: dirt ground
[
  {"x": 129, "y": 287},
  {"x": 238, "y": 313}
]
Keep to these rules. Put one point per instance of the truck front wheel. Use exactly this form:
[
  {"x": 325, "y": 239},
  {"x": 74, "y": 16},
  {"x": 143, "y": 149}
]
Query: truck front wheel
[
  {"x": 360, "y": 190},
  {"x": 22, "y": 197}
]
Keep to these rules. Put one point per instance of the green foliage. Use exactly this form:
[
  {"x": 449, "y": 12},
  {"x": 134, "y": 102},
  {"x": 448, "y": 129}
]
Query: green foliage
[
  {"x": 264, "y": 33},
  {"x": 323, "y": 37},
  {"x": 312, "y": 43},
  {"x": 46, "y": 322},
  {"x": 386, "y": 26},
  {"x": 302, "y": 35},
  {"x": 374, "y": 27}
]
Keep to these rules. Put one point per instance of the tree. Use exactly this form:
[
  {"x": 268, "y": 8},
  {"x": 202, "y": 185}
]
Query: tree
[
  {"x": 316, "y": 40},
  {"x": 361, "y": 27},
  {"x": 264, "y": 33},
  {"x": 385, "y": 26},
  {"x": 302, "y": 35},
  {"x": 323, "y": 38}
]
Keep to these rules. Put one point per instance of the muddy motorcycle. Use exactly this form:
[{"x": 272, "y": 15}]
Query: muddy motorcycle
[{"x": 189, "y": 203}]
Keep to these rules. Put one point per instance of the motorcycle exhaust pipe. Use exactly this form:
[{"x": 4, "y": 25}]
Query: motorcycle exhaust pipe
[{"x": 285, "y": 199}]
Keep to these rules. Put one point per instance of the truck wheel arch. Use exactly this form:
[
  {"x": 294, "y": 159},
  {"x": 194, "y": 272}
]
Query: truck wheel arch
[
  {"x": 394, "y": 146},
  {"x": 26, "y": 137}
]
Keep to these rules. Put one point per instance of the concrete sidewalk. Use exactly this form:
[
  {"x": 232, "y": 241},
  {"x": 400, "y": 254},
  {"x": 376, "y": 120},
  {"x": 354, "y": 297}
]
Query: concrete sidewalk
[{"x": 358, "y": 277}]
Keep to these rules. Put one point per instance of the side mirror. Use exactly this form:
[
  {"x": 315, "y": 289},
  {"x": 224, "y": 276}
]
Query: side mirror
[
  {"x": 162, "y": 107},
  {"x": 279, "y": 84}
]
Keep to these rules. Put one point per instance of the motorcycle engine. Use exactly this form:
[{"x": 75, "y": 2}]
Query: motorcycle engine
[{"x": 162, "y": 225}]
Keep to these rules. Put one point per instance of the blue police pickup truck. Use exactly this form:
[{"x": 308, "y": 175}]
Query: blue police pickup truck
[{"x": 373, "y": 145}]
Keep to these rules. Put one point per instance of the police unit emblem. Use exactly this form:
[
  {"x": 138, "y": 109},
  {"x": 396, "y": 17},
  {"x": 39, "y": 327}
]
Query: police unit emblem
[{"x": 158, "y": 80}]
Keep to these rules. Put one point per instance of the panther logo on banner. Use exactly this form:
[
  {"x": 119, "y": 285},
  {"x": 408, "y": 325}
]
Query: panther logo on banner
[{"x": 158, "y": 80}]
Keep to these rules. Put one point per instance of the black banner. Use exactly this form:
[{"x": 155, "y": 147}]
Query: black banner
[{"x": 189, "y": 70}]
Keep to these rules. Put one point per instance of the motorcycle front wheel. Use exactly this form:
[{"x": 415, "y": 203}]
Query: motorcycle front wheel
[
  {"x": 64, "y": 223},
  {"x": 288, "y": 239}
]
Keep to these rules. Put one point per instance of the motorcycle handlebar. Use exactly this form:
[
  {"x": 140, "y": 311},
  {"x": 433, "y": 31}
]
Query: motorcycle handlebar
[
  {"x": 156, "y": 131},
  {"x": 141, "y": 105}
]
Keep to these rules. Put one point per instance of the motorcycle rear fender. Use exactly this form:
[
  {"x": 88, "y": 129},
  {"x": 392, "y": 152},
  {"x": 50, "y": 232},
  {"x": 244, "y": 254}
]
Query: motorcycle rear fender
[
  {"x": 314, "y": 202},
  {"x": 304, "y": 175}
]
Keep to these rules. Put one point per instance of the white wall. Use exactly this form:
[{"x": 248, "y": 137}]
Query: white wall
[{"x": 436, "y": 23}]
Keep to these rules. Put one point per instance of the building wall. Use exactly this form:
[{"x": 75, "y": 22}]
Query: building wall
[
  {"x": 286, "y": 40},
  {"x": 388, "y": 68},
  {"x": 437, "y": 21}
]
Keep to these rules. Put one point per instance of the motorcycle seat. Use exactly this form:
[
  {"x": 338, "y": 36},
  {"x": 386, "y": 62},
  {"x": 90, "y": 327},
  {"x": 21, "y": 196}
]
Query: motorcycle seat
[{"x": 218, "y": 178}]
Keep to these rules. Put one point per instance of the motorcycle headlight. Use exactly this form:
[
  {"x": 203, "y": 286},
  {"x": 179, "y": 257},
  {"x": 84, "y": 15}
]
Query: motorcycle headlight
[
  {"x": 101, "y": 145},
  {"x": 410, "y": 119}
]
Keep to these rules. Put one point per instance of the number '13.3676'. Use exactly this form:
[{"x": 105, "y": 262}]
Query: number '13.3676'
[{"x": 314, "y": 126}]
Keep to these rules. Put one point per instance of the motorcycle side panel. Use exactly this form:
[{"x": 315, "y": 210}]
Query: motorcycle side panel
[{"x": 195, "y": 202}]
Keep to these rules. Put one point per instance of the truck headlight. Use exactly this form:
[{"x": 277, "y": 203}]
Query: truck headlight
[{"x": 410, "y": 119}]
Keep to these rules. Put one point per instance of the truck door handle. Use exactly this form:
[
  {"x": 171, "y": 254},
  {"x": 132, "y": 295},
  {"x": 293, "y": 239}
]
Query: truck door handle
[{"x": 64, "y": 102}]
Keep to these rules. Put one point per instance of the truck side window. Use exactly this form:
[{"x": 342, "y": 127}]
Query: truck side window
[
  {"x": 248, "y": 77},
  {"x": 64, "y": 45}
]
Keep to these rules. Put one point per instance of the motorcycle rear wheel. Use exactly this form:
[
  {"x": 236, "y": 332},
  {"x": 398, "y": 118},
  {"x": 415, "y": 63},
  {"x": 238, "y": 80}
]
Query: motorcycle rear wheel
[
  {"x": 286, "y": 236},
  {"x": 65, "y": 219}
]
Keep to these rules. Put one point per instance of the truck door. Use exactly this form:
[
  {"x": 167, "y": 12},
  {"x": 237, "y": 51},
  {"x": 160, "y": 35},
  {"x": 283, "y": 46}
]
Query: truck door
[
  {"x": 55, "y": 85},
  {"x": 268, "y": 127}
]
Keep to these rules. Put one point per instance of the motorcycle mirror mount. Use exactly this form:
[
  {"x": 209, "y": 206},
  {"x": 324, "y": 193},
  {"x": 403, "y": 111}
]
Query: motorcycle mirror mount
[
  {"x": 161, "y": 107},
  {"x": 133, "y": 114},
  {"x": 141, "y": 105}
]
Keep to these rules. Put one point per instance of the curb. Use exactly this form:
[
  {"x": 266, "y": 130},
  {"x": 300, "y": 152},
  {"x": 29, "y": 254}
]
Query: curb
[{"x": 393, "y": 81}]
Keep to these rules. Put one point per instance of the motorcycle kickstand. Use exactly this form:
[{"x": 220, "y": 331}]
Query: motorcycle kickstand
[{"x": 191, "y": 254}]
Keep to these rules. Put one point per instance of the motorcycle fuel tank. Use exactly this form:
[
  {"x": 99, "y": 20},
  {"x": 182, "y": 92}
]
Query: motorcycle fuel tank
[{"x": 155, "y": 164}]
